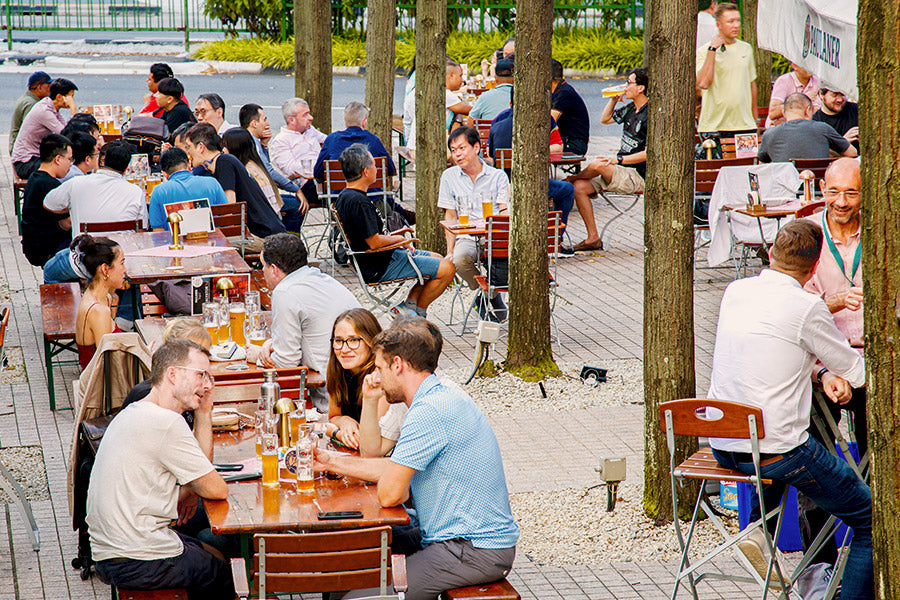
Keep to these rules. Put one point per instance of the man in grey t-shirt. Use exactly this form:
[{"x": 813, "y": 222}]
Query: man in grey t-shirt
[{"x": 800, "y": 137}]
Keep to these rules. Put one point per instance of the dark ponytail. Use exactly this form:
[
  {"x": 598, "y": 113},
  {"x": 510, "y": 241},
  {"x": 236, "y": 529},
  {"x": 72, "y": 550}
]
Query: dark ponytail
[{"x": 94, "y": 252}]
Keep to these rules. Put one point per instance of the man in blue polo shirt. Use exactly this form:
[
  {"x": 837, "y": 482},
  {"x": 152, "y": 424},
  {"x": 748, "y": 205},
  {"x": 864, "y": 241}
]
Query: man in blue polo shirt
[
  {"x": 180, "y": 186},
  {"x": 447, "y": 457}
]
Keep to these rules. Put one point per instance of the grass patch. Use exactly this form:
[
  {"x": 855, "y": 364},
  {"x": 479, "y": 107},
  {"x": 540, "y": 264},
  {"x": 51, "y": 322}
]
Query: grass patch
[{"x": 586, "y": 50}]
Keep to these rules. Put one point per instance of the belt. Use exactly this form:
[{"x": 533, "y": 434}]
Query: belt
[{"x": 764, "y": 459}]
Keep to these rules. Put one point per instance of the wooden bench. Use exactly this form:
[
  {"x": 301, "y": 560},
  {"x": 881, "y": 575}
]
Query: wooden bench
[
  {"x": 499, "y": 590},
  {"x": 59, "y": 309},
  {"x": 174, "y": 594},
  {"x": 18, "y": 197}
]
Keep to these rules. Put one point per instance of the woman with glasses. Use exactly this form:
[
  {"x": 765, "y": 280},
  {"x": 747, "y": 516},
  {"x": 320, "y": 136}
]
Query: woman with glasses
[{"x": 351, "y": 360}]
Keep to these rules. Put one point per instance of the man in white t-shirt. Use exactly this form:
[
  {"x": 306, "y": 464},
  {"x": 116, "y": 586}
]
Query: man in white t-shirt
[
  {"x": 455, "y": 108},
  {"x": 102, "y": 196},
  {"x": 148, "y": 451},
  {"x": 706, "y": 22}
]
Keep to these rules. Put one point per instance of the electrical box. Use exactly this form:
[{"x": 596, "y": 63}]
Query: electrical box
[
  {"x": 487, "y": 332},
  {"x": 612, "y": 469}
]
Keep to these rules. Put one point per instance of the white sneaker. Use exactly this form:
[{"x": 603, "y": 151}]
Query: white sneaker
[
  {"x": 755, "y": 549},
  {"x": 401, "y": 310}
]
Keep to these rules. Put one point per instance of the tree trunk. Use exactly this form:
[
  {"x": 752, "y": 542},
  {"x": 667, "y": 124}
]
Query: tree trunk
[
  {"x": 380, "y": 68},
  {"x": 312, "y": 58},
  {"x": 647, "y": 17},
  {"x": 878, "y": 63},
  {"x": 668, "y": 243},
  {"x": 528, "y": 350},
  {"x": 431, "y": 132},
  {"x": 763, "y": 57}
]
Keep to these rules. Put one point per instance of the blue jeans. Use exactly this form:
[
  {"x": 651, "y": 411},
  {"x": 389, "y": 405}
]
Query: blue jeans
[
  {"x": 833, "y": 486},
  {"x": 562, "y": 193},
  {"x": 290, "y": 213}
]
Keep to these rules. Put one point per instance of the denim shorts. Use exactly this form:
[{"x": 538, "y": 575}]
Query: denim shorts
[{"x": 400, "y": 267}]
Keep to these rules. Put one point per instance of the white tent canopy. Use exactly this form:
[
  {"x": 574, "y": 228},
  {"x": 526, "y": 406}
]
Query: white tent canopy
[{"x": 818, "y": 35}]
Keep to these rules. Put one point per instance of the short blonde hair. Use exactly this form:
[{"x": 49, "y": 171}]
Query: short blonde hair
[{"x": 185, "y": 328}]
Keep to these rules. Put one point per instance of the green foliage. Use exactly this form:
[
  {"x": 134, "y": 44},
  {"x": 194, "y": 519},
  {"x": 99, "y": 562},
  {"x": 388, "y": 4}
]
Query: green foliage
[
  {"x": 577, "y": 49},
  {"x": 780, "y": 65},
  {"x": 261, "y": 18}
]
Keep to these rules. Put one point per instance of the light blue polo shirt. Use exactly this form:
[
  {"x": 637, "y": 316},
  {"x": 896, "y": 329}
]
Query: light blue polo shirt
[
  {"x": 492, "y": 102},
  {"x": 181, "y": 186},
  {"x": 459, "y": 487}
]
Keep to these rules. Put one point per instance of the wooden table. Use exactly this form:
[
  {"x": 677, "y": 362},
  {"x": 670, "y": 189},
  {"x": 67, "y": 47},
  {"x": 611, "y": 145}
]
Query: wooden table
[
  {"x": 151, "y": 330},
  {"x": 251, "y": 508},
  {"x": 567, "y": 161},
  {"x": 476, "y": 227},
  {"x": 775, "y": 212},
  {"x": 59, "y": 311}
]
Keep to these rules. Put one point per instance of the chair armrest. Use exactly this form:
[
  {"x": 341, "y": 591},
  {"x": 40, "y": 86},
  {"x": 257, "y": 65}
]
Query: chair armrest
[
  {"x": 239, "y": 575},
  {"x": 398, "y": 572},
  {"x": 392, "y": 247},
  {"x": 402, "y": 230}
]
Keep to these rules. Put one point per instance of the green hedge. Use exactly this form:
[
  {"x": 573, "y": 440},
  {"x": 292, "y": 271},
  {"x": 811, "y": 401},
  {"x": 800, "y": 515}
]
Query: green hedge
[{"x": 586, "y": 50}]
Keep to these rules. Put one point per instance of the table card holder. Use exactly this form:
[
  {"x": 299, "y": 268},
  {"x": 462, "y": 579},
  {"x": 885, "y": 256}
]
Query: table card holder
[
  {"x": 754, "y": 203},
  {"x": 175, "y": 222}
]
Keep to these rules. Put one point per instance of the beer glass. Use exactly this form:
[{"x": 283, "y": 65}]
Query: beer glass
[
  {"x": 462, "y": 210},
  {"x": 211, "y": 320},
  {"x": 251, "y": 302},
  {"x": 297, "y": 420},
  {"x": 224, "y": 334},
  {"x": 270, "y": 459},
  {"x": 236, "y": 316},
  {"x": 304, "y": 449}
]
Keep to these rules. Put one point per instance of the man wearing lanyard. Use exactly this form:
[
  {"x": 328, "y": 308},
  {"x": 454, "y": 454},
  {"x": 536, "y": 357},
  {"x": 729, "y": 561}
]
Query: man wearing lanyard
[{"x": 838, "y": 279}]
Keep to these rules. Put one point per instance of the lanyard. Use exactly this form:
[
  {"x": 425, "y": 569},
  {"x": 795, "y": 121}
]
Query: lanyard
[{"x": 837, "y": 257}]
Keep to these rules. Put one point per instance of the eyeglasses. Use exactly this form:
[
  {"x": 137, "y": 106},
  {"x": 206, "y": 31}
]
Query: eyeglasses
[
  {"x": 851, "y": 195},
  {"x": 201, "y": 111},
  {"x": 352, "y": 343},
  {"x": 206, "y": 376}
]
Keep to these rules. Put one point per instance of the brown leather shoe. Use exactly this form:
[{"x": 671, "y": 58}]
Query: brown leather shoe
[{"x": 586, "y": 245}]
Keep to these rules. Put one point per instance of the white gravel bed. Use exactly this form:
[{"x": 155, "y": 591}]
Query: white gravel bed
[
  {"x": 26, "y": 463},
  {"x": 506, "y": 393},
  {"x": 14, "y": 372},
  {"x": 572, "y": 527}
]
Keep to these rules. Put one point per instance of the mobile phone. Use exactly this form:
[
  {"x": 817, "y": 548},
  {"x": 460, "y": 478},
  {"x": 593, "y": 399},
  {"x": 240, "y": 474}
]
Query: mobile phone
[
  {"x": 229, "y": 467},
  {"x": 340, "y": 514},
  {"x": 242, "y": 476}
]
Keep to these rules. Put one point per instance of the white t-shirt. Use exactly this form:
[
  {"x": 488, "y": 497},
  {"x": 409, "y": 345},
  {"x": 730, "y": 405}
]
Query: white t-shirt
[
  {"x": 409, "y": 115},
  {"x": 146, "y": 452},
  {"x": 98, "y": 198},
  {"x": 706, "y": 28}
]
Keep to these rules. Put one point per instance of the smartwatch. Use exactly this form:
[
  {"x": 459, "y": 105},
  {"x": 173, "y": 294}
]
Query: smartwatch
[
  {"x": 711, "y": 49},
  {"x": 619, "y": 159}
]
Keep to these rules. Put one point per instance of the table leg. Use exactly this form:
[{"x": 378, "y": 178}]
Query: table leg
[
  {"x": 48, "y": 359},
  {"x": 762, "y": 236}
]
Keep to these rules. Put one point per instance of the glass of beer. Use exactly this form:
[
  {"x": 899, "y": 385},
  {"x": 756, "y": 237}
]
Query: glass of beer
[
  {"x": 462, "y": 210},
  {"x": 306, "y": 166},
  {"x": 251, "y": 301},
  {"x": 305, "y": 477},
  {"x": 270, "y": 459},
  {"x": 224, "y": 334},
  {"x": 236, "y": 317},
  {"x": 211, "y": 320},
  {"x": 255, "y": 328},
  {"x": 487, "y": 206}
]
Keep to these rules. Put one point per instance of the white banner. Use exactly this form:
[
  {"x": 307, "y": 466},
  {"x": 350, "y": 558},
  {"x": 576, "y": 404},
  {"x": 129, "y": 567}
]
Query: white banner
[{"x": 818, "y": 35}]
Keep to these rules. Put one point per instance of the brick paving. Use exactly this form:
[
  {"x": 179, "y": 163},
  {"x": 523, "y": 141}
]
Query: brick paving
[{"x": 599, "y": 314}]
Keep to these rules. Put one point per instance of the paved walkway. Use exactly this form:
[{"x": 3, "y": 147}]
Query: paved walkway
[{"x": 599, "y": 315}]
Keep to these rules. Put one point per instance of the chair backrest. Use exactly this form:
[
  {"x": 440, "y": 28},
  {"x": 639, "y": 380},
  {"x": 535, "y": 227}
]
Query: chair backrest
[
  {"x": 483, "y": 127},
  {"x": 110, "y": 226},
  {"x": 817, "y": 165},
  {"x": 706, "y": 171},
  {"x": 726, "y": 420},
  {"x": 151, "y": 305},
  {"x": 291, "y": 379},
  {"x": 810, "y": 209},
  {"x": 497, "y": 241},
  {"x": 503, "y": 159},
  {"x": 230, "y": 219},
  {"x": 301, "y": 563},
  {"x": 728, "y": 149},
  {"x": 4, "y": 322},
  {"x": 335, "y": 180}
]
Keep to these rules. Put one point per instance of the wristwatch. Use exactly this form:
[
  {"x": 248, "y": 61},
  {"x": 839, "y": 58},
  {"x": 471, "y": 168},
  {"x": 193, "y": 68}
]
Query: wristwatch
[
  {"x": 619, "y": 159},
  {"x": 711, "y": 49}
]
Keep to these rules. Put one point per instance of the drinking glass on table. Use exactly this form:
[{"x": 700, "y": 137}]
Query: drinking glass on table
[
  {"x": 236, "y": 316},
  {"x": 463, "y": 205},
  {"x": 487, "y": 206},
  {"x": 270, "y": 459},
  {"x": 304, "y": 449},
  {"x": 255, "y": 328},
  {"x": 306, "y": 166},
  {"x": 224, "y": 334},
  {"x": 251, "y": 301},
  {"x": 211, "y": 320}
]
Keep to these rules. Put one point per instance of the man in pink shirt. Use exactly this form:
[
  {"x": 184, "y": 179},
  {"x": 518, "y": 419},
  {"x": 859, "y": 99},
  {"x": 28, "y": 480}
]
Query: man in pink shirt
[
  {"x": 838, "y": 279},
  {"x": 44, "y": 118},
  {"x": 296, "y": 147},
  {"x": 798, "y": 81}
]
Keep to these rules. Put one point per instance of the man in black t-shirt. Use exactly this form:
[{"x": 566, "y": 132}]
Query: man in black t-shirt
[
  {"x": 364, "y": 228},
  {"x": 205, "y": 149},
  {"x": 168, "y": 97},
  {"x": 841, "y": 114},
  {"x": 45, "y": 233},
  {"x": 625, "y": 173},
  {"x": 570, "y": 112}
]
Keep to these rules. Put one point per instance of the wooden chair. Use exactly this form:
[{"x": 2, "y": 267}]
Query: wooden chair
[
  {"x": 4, "y": 323},
  {"x": 59, "y": 310},
  {"x": 728, "y": 149},
  {"x": 496, "y": 248},
  {"x": 483, "y": 127},
  {"x": 380, "y": 191},
  {"x": 231, "y": 220},
  {"x": 810, "y": 209},
  {"x": 300, "y": 563},
  {"x": 380, "y": 293},
  {"x": 111, "y": 226},
  {"x": 705, "y": 174},
  {"x": 498, "y": 590},
  {"x": 151, "y": 305},
  {"x": 817, "y": 165},
  {"x": 721, "y": 419},
  {"x": 291, "y": 379}
]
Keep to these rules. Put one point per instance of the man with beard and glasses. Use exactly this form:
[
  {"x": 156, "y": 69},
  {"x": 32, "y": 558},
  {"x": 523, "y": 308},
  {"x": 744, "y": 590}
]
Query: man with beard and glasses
[{"x": 447, "y": 459}]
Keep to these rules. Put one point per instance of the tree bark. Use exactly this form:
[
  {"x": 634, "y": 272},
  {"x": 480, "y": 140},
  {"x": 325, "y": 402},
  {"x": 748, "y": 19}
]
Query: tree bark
[
  {"x": 878, "y": 64},
  {"x": 528, "y": 346},
  {"x": 380, "y": 68},
  {"x": 431, "y": 132},
  {"x": 668, "y": 243},
  {"x": 763, "y": 57},
  {"x": 312, "y": 58}
]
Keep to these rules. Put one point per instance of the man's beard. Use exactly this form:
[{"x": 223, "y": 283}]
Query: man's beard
[{"x": 394, "y": 396}]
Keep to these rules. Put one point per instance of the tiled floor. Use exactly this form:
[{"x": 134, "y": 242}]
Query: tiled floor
[{"x": 599, "y": 314}]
